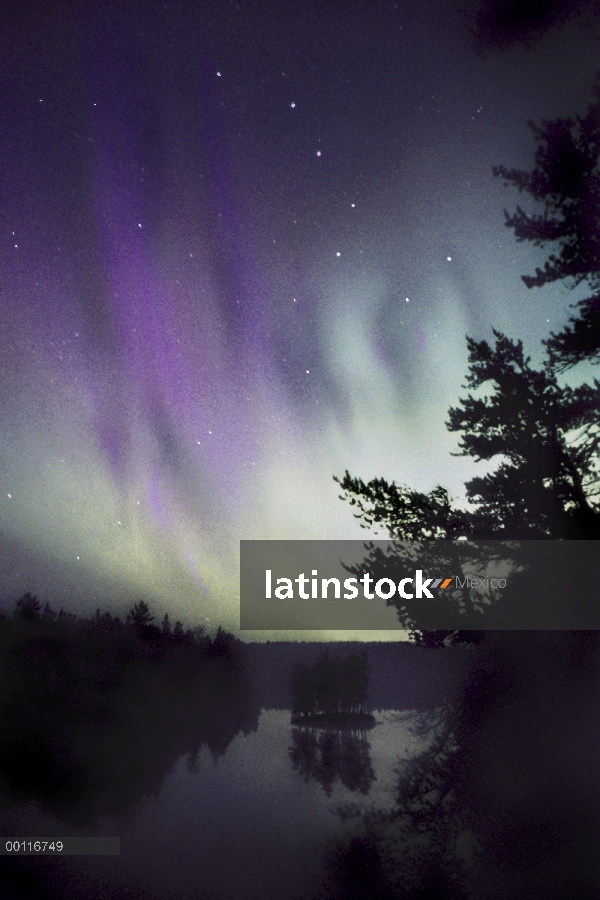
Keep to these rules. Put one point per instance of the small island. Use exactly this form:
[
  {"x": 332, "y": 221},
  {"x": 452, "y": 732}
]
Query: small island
[{"x": 332, "y": 693}]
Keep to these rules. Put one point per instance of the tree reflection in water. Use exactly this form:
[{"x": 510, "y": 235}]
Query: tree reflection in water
[
  {"x": 504, "y": 802},
  {"x": 329, "y": 705},
  {"x": 95, "y": 714},
  {"x": 327, "y": 754}
]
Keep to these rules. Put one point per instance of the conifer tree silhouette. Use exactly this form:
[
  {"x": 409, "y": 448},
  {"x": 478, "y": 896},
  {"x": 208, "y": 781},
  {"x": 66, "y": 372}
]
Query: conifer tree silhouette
[
  {"x": 546, "y": 438},
  {"x": 28, "y": 607},
  {"x": 140, "y": 615},
  {"x": 566, "y": 180}
]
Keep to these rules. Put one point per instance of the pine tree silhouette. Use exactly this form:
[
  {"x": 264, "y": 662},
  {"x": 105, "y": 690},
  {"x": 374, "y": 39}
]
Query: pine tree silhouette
[{"x": 566, "y": 180}]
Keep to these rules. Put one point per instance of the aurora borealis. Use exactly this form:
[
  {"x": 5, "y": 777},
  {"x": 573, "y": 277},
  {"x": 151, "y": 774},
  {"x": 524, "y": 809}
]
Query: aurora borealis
[{"x": 240, "y": 247}]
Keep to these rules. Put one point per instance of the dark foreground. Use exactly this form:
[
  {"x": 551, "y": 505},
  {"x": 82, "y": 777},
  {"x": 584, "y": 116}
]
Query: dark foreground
[{"x": 162, "y": 742}]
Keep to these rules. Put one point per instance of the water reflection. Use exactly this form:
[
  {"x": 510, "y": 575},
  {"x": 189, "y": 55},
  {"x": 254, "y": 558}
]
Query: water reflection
[
  {"x": 504, "y": 801},
  {"x": 329, "y": 706},
  {"x": 241, "y": 825},
  {"x": 95, "y": 715},
  {"x": 162, "y": 741},
  {"x": 328, "y": 754}
]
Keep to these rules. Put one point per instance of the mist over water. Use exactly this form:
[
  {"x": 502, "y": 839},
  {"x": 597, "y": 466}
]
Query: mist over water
[{"x": 482, "y": 779}]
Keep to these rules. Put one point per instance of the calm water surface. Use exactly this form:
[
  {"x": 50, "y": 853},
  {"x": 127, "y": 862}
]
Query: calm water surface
[{"x": 242, "y": 825}]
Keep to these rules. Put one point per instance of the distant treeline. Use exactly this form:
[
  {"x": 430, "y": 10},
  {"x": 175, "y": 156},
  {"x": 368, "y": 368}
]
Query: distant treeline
[{"x": 138, "y": 621}]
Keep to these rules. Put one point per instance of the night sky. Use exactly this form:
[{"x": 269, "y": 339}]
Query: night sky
[{"x": 240, "y": 247}]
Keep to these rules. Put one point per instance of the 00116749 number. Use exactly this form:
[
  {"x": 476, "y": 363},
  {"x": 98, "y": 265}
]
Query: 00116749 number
[{"x": 33, "y": 846}]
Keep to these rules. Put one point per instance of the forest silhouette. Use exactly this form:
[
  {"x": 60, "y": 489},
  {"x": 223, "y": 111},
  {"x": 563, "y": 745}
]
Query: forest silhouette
[
  {"x": 329, "y": 703},
  {"x": 96, "y": 712},
  {"x": 330, "y": 687}
]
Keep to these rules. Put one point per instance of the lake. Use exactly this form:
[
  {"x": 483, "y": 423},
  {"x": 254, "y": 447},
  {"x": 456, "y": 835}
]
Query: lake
[
  {"x": 244, "y": 824},
  {"x": 479, "y": 779}
]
